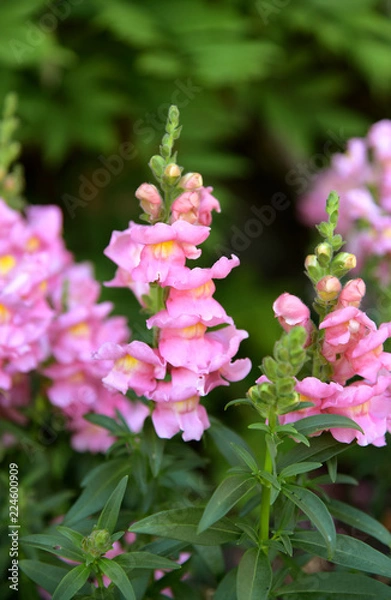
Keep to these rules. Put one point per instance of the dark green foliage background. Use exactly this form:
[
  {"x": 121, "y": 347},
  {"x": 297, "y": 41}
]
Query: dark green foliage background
[{"x": 272, "y": 87}]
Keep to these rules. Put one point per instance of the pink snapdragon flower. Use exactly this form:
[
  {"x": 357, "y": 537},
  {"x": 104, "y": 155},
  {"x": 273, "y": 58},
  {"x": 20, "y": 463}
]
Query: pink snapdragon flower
[
  {"x": 187, "y": 416},
  {"x": 311, "y": 389},
  {"x": 344, "y": 327},
  {"x": 352, "y": 293},
  {"x": 166, "y": 248},
  {"x": 368, "y": 405},
  {"x": 195, "y": 205},
  {"x": 150, "y": 200},
  {"x": 135, "y": 365},
  {"x": 291, "y": 311},
  {"x": 362, "y": 178},
  {"x": 126, "y": 254}
]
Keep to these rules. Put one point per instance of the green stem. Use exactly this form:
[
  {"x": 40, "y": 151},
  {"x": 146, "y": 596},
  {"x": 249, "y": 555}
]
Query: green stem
[{"x": 264, "y": 519}]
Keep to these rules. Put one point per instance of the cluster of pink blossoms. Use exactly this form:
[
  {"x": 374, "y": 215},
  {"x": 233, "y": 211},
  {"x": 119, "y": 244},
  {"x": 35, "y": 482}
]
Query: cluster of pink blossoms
[
  {"x": 51, "y": 323},
  {"x": 362, "y": 178},
  {"x": 359, "y": 386},
  {"x": 195, "y": 339}
]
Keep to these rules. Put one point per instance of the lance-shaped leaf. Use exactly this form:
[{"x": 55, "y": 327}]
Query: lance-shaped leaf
[
  {"x": 55, "y": 544},
  {"x": 99, "y": 485},
  {"x": 360, "y": 520},
  {"x": 298, "y": 469},
  {"x": 317, "y": 512},
  {"x": 109, "y": 515},
  {"x": 145, "y": 560},
  {"x": 182, "y": 524},
  {"x": 223, "y": 438},
  {"x": 340, "y": 585},
  {"x": 71, "y": 583},
  {"x": 349, "y": 552},
  {"x": 43, "y": 574},
  {"x": 316, "y": 423},
  {"x": 226, "y": 589},
  {"x": 254, "y": 577},
  {"x": 118, "y": 576},
  {"x": 321, "y": 449},
  {"x": 230, "y": 491}
]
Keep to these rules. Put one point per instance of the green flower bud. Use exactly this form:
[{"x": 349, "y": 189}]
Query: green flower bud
[
  {"x": 343, "y": 263},
  {"x": 157, "y": 164},
  {"x": 324, "y": 253},
  {"x": 97, "y": 543}
]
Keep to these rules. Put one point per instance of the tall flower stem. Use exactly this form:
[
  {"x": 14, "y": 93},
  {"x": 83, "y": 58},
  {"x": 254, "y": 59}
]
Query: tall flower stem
[{"x": 264, "y": 520}]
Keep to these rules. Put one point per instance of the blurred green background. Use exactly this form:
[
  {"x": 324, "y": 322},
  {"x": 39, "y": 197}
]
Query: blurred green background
[{"x": 267, "y": 90}]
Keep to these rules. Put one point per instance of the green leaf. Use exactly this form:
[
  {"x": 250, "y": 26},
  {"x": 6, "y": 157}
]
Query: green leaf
[
  {"x": 223, "y": 437},
  {"x": 118, "y": 576},
  {"x": 145, "y": 560},
  {"x": 316, "y": 511},
  {"x": 247, "y": 457},
  {"x": 325, "y": 479},
  {"x": 105, "y": 422},
  {"x": 182, "y": 524},
  {"x": 226, "y": 589},
  {"x": 109, "y": 515},
  {"x": 153, "y": 446},
  {"x": 55, "y": 544},
  {"x": 316, "y": 423},
  {"x": 71, "y": 583},
  {"x": 321, "y": 449},
  {"x": 254, "y": 576},
  {"x": 43, "y": 574},
  {"x": 261, "y": 426},
  {"x": 298, "y": 469},
  {"x": 349, "y": 552},
  {"x": 70, "y": 534},
  {"x": 344, "y": 586},
  {"x": 360, "y": 520},
  {"x": 99, "y": 484},
  {"x": 332, "y": 468},
  {"x": 230, "y": 491}
]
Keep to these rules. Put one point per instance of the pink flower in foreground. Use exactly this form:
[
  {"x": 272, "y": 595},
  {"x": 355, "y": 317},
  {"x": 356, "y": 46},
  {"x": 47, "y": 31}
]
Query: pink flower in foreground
[
  {"x": 187, "y": 416},
  {"x": 166, "y": 248},
  {"x": 344, "y": 327},
  {"x": 150, "y": 199},
  {"x": 135, "y": 366},
  {"x": 291, "y": 311},
  {"x": 352, "y": 293},
  {"x": 311, "y": 389},
  {"x": 367, "y": 405}
]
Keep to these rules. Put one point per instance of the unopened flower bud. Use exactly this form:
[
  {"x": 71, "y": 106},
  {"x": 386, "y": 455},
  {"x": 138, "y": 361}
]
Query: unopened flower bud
[
  {"x": 157, "y": 165},
  {"x": 324, "y": 253},
  {"x": 343, "y": 263},
  {"x": 172, "y": 171},
  {"x": 191, "y": 181},
  {"x": 97, "y": 543},
  {"x": 328, "y": 288},
  {"x": 352, "y": 293},
  {"x": 150, "y": 199},
  {"x": 311, "y": 261}
]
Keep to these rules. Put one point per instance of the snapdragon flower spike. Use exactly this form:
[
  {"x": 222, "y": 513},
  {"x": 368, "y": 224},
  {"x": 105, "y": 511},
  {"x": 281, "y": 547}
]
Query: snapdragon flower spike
[
  {"x": 190, "y": 358},
  {"x": 362, "y": 177}
]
